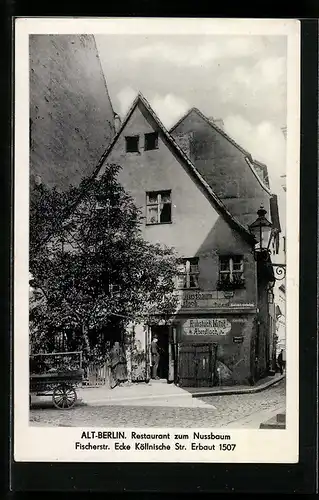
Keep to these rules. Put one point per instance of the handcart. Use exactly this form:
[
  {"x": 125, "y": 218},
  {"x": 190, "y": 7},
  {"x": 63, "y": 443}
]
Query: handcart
[{"x": 58, "y": 379}]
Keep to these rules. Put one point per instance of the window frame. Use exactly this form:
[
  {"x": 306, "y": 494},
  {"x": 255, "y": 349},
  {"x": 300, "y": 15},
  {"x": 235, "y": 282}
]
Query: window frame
[
  {"x": 188, "y": 274},
  {"x": 159, "y": 204},
  {"x": 147, "y": 134},
  {"x": 137, "y": 137},
  {"x": 230, "y": 272}
]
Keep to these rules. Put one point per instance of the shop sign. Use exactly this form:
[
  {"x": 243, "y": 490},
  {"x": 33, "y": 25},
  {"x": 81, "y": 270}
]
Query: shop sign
[
  {"x": 210, "y": 326},
  {"x": 208, "y": 300},
  {"x": 202, "y": 300},
  {"x": 238, "y": 340}
]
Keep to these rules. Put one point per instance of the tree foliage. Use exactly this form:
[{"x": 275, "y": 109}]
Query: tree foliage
[{"x": 96, "y": 273}]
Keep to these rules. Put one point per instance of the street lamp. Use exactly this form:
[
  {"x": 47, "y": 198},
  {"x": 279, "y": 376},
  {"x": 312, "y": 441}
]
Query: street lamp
[
  {"x": 261, "y": 228},
  {"x": 263, "y": 231}
]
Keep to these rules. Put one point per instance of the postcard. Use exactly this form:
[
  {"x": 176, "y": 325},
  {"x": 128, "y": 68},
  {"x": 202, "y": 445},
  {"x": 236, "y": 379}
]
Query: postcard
[{"x": 156, "y": 240}]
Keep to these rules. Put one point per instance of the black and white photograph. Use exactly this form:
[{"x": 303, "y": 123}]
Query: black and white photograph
[{"x": 156, "y": 264}]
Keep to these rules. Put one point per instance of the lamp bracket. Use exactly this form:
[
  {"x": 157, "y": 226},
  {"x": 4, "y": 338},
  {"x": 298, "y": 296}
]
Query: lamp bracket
[{"x": 279, "y": 271}]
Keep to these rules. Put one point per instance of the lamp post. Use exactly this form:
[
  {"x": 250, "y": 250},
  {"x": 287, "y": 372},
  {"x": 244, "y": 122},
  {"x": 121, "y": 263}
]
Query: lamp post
[{"x": 262, "y": 230}]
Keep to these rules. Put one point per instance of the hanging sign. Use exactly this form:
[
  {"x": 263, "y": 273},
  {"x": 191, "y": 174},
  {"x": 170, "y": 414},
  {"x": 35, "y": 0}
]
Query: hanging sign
[{"x": 210, "y": 326}]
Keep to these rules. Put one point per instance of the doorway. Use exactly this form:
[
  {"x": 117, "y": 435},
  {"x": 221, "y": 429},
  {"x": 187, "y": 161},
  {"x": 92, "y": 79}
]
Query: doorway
[
  {"x": 197, "y": 365},
  {"x": 162, "y": 333}
]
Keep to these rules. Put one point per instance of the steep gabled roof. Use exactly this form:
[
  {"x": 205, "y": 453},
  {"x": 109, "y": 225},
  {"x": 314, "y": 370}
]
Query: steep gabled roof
[
  {"x": 248, "y": 157},
  {"x": 218, "y": 204},
  {"x": 184, "y": 158}
]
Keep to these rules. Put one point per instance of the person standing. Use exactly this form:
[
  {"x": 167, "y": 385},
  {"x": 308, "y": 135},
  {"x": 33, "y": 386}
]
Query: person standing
[
  {"x": 155, "y": 357},
  {"x": 284, "y": 359},
  {"x": 280, "y": 361},
  {"x": 117, "y": 365}
]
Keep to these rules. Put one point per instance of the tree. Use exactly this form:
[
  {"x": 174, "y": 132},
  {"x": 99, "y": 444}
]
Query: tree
[{"x": 96, "y": 273}]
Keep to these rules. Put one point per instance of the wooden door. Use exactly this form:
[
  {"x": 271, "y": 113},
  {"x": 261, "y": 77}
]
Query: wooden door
[{"x": 196, "y": 365}]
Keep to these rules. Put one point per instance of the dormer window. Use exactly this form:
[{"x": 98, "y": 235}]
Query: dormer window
[
  {"x": 151, "y": 141},
  {"x": 132, "y": 144}
]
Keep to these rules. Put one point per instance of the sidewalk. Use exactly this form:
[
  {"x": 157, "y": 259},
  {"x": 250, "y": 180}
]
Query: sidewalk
[
  {"x": 256, "y": 419},
  {"x": 261, "y": 385},
  {"x": 155, "y": 393}
]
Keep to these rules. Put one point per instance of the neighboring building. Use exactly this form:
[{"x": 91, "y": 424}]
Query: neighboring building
[
  {"x": 284, "y": 131},
  {"x": 71, "y": 115},
  {"x": 222, "y": 332},
  {"x": 281, "y": 319},
  {"x": 284, "y": 185},
  {"x": 236, "y": 178}
]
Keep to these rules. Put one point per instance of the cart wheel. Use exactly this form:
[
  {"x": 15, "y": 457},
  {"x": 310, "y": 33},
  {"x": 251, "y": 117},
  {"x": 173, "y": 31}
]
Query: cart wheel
[{"x": 64, "y": 397}]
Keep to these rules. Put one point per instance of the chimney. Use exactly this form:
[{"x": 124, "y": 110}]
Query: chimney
[
  {"x": 117, "y": 122},
  {"x": 219, "y": 122}
]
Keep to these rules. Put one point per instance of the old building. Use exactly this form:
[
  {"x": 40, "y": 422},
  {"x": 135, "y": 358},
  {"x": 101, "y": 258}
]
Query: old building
[
  {"x": 221, "y": 331},
  {"x": 237, "y": 179},
  {"x": 281, "y": 318},
  {"x": 71, "y": 115}
]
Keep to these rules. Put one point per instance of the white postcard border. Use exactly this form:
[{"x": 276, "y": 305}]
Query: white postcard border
[{"x": 49, "y": 444}]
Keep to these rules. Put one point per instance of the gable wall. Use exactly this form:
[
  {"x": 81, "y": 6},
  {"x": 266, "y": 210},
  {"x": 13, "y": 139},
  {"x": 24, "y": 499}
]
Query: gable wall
[
  {"x": 223, "y": 166},
  {"x": 197, "y": 229}
]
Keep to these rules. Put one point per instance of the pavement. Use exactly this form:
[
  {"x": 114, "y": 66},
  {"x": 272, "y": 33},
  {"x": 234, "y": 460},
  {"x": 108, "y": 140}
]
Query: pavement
[
  {"x": 261, "y": 385},
  {"x": 256, "y": 419},
  {"x": 155, "y": 393},
  {"x": 231, "y": 411},
  {"x": 277, "y": 421}
]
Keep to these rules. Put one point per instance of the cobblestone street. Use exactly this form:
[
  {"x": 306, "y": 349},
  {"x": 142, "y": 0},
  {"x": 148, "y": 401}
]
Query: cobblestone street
[{"x": 225, "y": 410}]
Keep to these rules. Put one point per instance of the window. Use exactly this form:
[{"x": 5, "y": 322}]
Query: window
[
  {"x": 132, "y": 144},
  {"x": 151, "y": 141},
  {"x": 188, "y": 274},
  {"x": 102, "y": 203},
  {"x": 159, "y": 207},
  {"x": 231, "y": 272}
]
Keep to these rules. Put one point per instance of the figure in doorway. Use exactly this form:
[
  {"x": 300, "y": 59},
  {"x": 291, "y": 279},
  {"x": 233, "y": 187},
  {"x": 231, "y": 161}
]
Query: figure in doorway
[
  {"x": 155, "y": 352},
  {"x": 118, "y": 366}
]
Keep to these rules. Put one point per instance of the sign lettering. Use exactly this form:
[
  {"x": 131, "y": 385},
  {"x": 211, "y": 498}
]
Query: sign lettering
[
  {"x": 210, "y": 326},
  {"x": 238, "y": 340},
  {"x": 208, "y": 300}
]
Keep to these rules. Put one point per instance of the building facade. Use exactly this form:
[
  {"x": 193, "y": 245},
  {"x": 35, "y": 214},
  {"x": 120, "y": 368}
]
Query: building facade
[
  {"x": 71, "y": 115},
  {"x": 220, "y": 332},
  {"x": 237, "y": 179},
  {"x": 281, "y": 319}
]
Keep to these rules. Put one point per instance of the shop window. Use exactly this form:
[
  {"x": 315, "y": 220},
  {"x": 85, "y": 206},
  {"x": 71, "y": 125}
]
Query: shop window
[
  {"x": 188, "y": 274},
  {"x": 231, "y": 272},
  {"x": 159, "y": 207},
  {"x": 151, "y": 141},
  {"x": 132, "y": 144}
]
